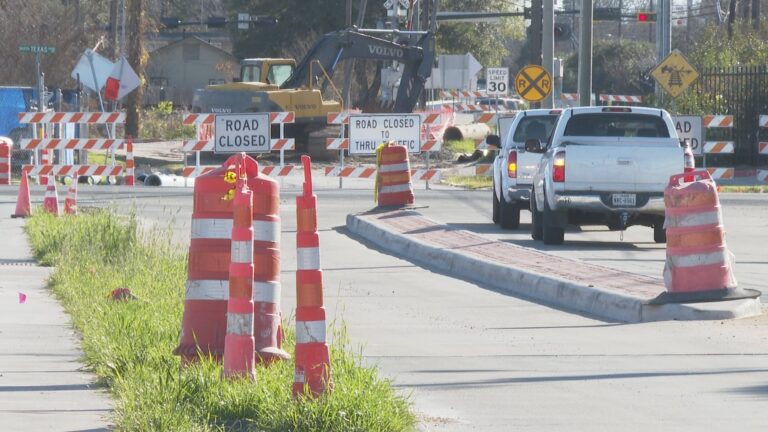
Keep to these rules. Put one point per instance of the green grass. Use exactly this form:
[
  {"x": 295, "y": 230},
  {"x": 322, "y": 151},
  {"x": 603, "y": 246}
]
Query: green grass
[
  {"x": 469, "y": 182},
  {"x": 461, "y": 146},
  {"x": 128, "y": 344},
  {"x": 744, "y": 189}
]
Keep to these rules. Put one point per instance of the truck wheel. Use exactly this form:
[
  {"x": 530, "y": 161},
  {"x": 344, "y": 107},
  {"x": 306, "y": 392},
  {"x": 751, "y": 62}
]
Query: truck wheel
[
  {"x": 553, "y": 234},
  {"x": 536, "y": 219},
  {"x": 659, "y": 233},
  {"x": 509, "y": 214},
  {"x": 495, "y": 211}
]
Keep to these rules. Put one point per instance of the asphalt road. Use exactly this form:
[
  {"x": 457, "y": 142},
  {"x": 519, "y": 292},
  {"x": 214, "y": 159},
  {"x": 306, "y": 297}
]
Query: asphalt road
[{"x": 474, "y": 359}]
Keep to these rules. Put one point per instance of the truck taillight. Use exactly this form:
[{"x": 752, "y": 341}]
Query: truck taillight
[
  {"x": 512, "y": 164},
  {"x": 558, "y": 167}
]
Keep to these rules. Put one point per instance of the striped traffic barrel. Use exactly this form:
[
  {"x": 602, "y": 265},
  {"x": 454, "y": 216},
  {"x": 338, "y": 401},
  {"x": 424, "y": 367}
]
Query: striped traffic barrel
[
  {"x": 204, "y": 323},
  {"x": 5, "y": 160},
  {"x": 697, "y": 256},
  {"x": 393, "y": 179}
]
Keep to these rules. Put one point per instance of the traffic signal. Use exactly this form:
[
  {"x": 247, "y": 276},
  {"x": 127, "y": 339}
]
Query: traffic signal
[{"x": 646, "y": 17}]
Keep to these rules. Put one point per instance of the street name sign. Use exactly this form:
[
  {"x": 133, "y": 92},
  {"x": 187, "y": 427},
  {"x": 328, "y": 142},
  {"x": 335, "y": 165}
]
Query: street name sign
[
  {"x": 366, "y": 132},
  {"x": 249, "y": 133},
  {"x": 37, "y": 49}
]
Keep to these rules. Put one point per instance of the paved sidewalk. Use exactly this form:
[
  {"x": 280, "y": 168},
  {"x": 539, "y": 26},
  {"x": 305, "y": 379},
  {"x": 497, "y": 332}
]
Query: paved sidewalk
[{"x": 42, "y": 386}]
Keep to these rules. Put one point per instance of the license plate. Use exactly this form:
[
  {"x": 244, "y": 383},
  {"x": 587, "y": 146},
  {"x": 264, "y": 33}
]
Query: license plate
[{"x": 624, "y": 200}]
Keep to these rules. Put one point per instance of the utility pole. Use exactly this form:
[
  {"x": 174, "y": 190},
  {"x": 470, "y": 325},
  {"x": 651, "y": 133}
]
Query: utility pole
[
  {"x": 585, "y": 54},
  {"x": 112, "y": 37},
  {"x": 621, "y": 19},
  {"x": 755, "y": 14},
  {"x": 689, "y": 6},
  {"x": 663, "y": 35},
  {"x": 536, "y": 16},
  {"x": 548, "y": 47}
]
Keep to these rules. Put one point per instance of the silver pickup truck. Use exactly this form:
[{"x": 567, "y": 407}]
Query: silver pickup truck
[
  {"x": 513, "y": 167},
  {"x": 605, "y": 166}
]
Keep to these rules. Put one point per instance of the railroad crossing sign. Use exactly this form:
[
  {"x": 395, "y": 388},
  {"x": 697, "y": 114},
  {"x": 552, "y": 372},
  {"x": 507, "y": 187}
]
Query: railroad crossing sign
[
  {"x": 674, "y": 74},
  {"x": 533, "y": 83}
]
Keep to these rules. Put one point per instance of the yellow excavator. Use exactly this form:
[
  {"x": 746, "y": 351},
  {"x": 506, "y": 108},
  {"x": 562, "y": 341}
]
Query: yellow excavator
[{"x": 272, "y": 85}]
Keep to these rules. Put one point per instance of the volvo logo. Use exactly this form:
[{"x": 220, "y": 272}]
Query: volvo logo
[{"x": 385, "y": 51}]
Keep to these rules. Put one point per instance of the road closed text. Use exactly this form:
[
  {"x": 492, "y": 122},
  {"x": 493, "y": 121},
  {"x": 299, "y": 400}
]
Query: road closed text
[
  {"x": 242, "y": 132},
  {"x": 367, "y": 132}
]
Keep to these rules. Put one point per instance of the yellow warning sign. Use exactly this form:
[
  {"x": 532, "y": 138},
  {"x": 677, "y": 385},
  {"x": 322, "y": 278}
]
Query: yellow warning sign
[
  {"x": 675, "y": 74},
  {"x": 533, "y": 83}
]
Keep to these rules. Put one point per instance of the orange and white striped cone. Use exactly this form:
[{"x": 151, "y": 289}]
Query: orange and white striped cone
[
  {"x": 239, "y": 344},
  {"x": 23, "y": 208},
  {"x": 51, "y": 201},
  {"x": 70, "y": 202},
  {"x": 312, "y": 373},
  {"x": 393, "y": 177},
  {"x": 130, "y": 165}
]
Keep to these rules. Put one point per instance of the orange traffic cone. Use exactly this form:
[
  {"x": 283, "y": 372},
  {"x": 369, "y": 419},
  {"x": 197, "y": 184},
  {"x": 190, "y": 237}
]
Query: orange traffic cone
[
  {"x": 70, "y": 203},
  {"x": 312, "y": 372},
  {"x": 22, "y": 202},
  {"x": 51, "y": 201}
]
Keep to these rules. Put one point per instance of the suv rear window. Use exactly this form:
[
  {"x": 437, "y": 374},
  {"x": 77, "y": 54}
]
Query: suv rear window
[
  {"x": 617, "y": 125},
  {"x": 539, "y": 127}
]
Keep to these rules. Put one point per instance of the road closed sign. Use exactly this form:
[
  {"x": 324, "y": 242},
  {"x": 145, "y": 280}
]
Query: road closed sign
[
  {"x": 689, "y": 131},
  {"x": 237, "y": 133},
  {"x": 366, "y": 132}
]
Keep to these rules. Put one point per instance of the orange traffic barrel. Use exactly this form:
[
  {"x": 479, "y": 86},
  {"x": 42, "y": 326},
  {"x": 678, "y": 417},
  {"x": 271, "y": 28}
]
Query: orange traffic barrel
[
  {"x": 5, "y": 160},
  {"x": 204, "y": 323},
  {"x": 699, "y": 266},
  {"x": 393, "y": 177}
]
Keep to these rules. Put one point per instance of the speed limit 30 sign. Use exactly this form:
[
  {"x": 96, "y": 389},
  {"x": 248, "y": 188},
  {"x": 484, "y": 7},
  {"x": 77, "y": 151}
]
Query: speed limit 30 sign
[{"x": 497, "y": 80}]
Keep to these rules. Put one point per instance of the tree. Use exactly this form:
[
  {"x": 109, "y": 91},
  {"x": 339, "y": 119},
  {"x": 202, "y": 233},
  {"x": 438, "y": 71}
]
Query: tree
[
  {"x": 619, "y": 67},
  {"x": 137, "y": 57}
]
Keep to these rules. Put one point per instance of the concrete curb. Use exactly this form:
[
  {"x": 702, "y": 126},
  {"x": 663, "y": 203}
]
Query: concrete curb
[{"x": 552, "y": 291}]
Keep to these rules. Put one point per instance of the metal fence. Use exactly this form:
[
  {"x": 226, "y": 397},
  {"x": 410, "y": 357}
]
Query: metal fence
[{"x": 742, "y": 92}]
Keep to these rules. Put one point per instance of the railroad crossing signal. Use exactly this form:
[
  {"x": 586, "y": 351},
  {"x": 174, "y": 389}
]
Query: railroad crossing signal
[
  {"x": 533, "y": 83},
  {"x": 675, "y": 74}
]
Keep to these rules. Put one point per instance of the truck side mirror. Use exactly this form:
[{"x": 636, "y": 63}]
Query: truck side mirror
[
  {"x": 493, "y": 141},
  {"x": 533, "y": 145}
]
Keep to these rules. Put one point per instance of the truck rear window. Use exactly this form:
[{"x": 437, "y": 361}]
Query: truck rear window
[
  {"x": 538, "y": 127},
  {"x": 617, "y": 125}
]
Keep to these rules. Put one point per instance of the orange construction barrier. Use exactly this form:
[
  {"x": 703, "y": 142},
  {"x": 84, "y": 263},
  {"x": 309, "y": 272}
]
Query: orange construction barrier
[
  {"x": 239, "y": 345},
  {"x": 313, "y": 364},
  {"x": 204, "y": 324},
  {"x": 698, "y": 265},
  {"x": 23, "y": 200},
  {"x": 130, "y": 164},
  {"x": 51, "y": 201},
  {"x": 70, "y": 202},
  {"x": 5, "y": 160},
  {"x": 393, "y": 177}
]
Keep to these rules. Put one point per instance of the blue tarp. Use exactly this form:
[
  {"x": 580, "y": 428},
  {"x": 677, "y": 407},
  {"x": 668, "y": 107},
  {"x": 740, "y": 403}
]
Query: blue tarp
[{"x": 13, "y": 100}]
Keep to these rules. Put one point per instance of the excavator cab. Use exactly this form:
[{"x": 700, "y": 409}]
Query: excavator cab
[{"x": 272, "y": 71}]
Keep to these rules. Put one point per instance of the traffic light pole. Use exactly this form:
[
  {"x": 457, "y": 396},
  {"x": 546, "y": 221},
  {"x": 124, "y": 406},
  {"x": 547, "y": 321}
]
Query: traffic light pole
[
  {"x": 585, "y": 54},
  {"x": 548, "y": 47},
  {"x": 663, "y": 36}
]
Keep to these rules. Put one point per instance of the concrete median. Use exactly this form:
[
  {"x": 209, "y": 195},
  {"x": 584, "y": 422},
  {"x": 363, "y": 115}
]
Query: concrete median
[{"x": 562, "y": 283}]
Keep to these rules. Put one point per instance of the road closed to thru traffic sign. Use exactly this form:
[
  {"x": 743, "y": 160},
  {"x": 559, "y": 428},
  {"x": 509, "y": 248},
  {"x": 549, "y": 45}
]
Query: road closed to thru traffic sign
[
  {"x": 366, "y": 132},
  {"x": 689, "y": 132},
  {"x": 237, "y": 133}
]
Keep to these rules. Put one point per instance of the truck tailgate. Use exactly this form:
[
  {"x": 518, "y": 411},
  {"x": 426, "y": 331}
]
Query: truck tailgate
[{"x": 622, "y": 164}]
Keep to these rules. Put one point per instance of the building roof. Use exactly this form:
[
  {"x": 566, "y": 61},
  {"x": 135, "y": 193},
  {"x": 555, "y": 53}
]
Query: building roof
[{"x": 199, "y": 39}]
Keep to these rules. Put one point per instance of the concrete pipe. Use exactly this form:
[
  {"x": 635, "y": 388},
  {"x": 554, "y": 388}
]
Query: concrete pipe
[{"x": 167, "y": 180}]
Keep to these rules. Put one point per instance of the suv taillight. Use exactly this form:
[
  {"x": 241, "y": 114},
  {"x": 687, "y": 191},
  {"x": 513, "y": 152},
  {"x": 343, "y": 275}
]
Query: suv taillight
[
  {"x": 558, "y": 167},
  {"x": 512, "y": 164}
]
